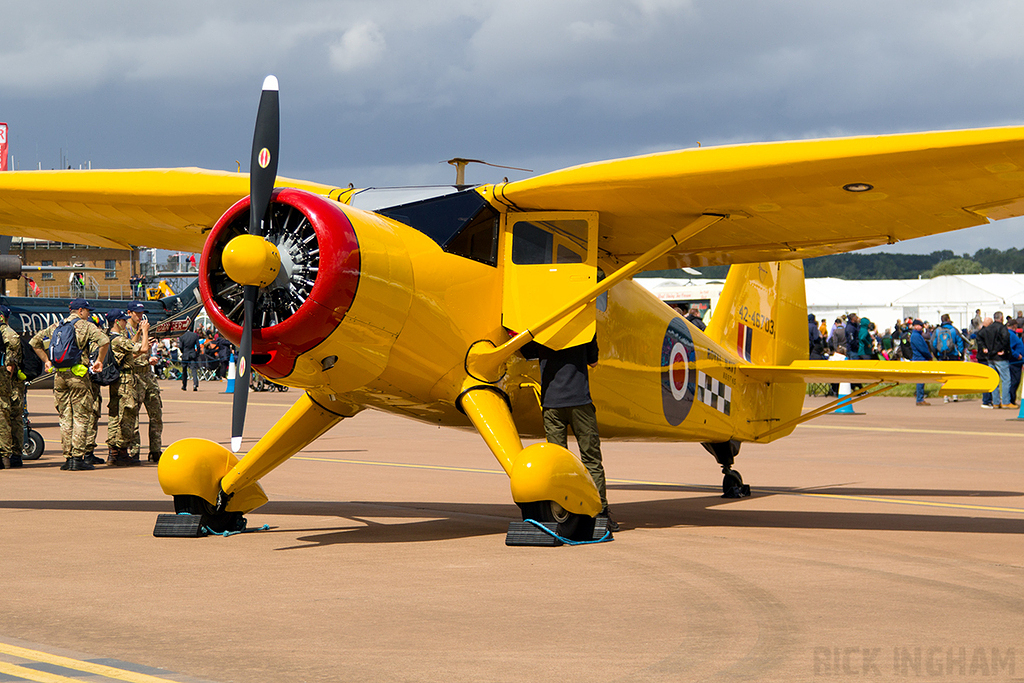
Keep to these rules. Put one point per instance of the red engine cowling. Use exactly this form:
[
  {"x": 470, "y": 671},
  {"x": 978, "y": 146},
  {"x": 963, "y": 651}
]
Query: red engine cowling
[{"x": 317, "y": 283}]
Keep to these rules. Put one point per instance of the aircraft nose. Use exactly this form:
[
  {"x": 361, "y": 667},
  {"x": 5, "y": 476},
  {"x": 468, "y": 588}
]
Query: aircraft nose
[{"x": 307, "y": 268}]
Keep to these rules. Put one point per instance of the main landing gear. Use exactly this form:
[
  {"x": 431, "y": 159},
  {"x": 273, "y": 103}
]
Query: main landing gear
[
  {"x": 732, "y": 482},
  {"x": 549, "y": 484}
]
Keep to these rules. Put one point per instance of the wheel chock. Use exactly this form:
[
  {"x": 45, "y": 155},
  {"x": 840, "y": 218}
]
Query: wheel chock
[
  {"x": 600, "y": 529},
  {"x": 179, "y": 526},
  {"x": 525, "y": 533},
  {"x": 528, "y": 533}
]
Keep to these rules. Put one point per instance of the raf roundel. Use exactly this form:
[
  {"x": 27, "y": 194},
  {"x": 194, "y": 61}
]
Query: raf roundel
[
  {"x": 678, "y": 379},
  {"x": 264, "y": 158}
]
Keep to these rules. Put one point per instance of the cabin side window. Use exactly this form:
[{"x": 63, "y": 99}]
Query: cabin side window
[{"x": 549, "y": 242}]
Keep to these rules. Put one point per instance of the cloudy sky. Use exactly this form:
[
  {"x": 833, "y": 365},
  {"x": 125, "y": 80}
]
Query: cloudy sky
[{"x": 380, "y": 92}]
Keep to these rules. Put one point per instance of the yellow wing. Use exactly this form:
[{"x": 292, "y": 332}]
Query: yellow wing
[
  {"x": 784, "y": 200},
  {"x": 787, "y": 200},
  {"x": 163, "y": 208}
]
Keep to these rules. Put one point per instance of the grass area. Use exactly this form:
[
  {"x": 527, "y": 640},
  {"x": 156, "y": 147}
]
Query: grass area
[{"x": 930, "y": 391}]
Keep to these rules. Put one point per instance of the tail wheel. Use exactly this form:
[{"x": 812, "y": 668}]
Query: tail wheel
[{"x": 733, "y": 486}]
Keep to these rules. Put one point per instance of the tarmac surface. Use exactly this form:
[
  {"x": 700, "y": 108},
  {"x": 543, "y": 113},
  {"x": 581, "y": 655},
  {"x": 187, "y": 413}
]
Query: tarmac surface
[{"x": 882, "y": 546}]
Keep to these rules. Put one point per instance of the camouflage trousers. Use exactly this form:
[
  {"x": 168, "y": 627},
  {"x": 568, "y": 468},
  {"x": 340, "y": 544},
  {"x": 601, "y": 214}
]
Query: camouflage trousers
[
  {"x": 97, "y": 405},
  {"x": 76, "y": 406},
  {"x": 155, "y": 410},
  {"x": 18, "y": 415},
  {"x": 8, "y": 424},
  {"x": 123, "y": 422}
]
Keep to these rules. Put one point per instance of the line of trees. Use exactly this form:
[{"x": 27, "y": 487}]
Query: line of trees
[{"x": 891, "y": 266}]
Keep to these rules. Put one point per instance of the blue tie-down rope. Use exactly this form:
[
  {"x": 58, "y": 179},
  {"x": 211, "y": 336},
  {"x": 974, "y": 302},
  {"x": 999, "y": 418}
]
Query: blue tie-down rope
[
  {"x": 604, "y": 539},
  {"x": 207, "y": 530}
]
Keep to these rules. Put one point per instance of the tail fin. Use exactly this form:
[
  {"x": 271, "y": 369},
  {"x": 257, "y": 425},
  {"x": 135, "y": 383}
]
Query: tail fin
[
  {"x": 761, "y": 316},
  {"x": 762, "y": 313}
]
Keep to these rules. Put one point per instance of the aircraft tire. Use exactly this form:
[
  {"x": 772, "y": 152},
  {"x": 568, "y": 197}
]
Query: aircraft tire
[
  {"x": 34, "y": 446},
  {"x": 569, "y": 525},
  {"x": 216, "y": 522}
]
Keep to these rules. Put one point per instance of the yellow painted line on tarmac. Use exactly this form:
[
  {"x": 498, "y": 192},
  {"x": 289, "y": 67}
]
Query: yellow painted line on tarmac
[
  {"x": 841, "y": 496},
  {"x": 33, "y": 675},
  {"x": 920, "y": 503},
  {"x": 411, "y": 466},
  {"x": 227, "y": 403},
  {"x": 844, "y": 497},
  {"x": 109, "y": 672},
  {"x": 901, "y": 430},
  {"x": 834, "y": 496}
]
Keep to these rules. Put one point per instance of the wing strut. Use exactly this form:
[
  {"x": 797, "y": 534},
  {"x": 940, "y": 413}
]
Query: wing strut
[{"x": 484, "y": 361}]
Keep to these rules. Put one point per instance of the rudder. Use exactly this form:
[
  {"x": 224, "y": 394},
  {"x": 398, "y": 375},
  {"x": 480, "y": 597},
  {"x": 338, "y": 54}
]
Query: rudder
[
  {"x": 762, "y": 313},
  {"x": 761, "y": 316}
]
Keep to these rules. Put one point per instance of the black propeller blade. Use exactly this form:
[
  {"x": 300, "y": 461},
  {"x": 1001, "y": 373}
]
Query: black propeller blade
[{"x": 262, "y": 174}]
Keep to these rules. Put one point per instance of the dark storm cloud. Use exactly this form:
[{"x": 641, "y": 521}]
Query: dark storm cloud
[{"x": 380, "y": 92}]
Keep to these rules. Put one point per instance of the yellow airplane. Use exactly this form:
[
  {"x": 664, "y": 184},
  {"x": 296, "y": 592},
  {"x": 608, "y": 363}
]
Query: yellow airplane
[{"x": 420, "y": 309}]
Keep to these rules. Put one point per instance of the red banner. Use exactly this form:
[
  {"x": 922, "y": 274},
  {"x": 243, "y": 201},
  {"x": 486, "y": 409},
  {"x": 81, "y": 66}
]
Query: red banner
[{"x": 3, "y": 146}]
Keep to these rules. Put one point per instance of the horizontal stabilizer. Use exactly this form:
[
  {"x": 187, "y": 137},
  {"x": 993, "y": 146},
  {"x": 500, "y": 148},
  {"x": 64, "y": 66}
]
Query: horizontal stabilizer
[{"x": 957, "y": 377}]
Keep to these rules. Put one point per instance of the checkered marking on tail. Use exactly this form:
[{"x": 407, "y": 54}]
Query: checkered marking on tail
[{"x": 713, "y": 393}]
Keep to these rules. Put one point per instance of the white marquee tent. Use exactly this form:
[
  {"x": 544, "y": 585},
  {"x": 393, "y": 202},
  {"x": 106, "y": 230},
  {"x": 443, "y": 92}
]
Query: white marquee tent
[{"x": 882, "y": 301}]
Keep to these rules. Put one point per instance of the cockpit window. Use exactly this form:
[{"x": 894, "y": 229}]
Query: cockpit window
[
  {"x": 463, "y": 223},
  {"x": 549, "y": 242}
]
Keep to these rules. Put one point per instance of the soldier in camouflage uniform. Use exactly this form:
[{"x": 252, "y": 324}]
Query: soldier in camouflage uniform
[
  {"x": 18, "y": 410},
  {"x": 113, "y": 403},
  {"x": 150, "y": 389},
  {"x": 96, "y": 407},
  {"x": 121, "y": 429},
  {"x": 17, "y": 405},
  {"x": 72, "y": 388},
  {"x": 11, "y": 424}
]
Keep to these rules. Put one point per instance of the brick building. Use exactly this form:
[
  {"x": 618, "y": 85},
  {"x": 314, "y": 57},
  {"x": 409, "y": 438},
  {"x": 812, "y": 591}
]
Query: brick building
[{"x": 112, "y": 281}]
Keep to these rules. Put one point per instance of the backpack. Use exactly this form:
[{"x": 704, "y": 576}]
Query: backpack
[
  {"x": 110, "y": 372},
  {"x": 942, "y": 341},
  {"x": 30, "y": 363},
  {"x": 905, "y": 349},
  {"x": 64, "y": 352}
]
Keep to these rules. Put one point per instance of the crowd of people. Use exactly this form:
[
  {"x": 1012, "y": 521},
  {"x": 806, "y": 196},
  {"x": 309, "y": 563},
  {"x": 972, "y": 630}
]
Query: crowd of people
[
  {"x": 201, "y": 354},
  {"x": 995, "y": 341},
  {"x": 86, "y": 352}
]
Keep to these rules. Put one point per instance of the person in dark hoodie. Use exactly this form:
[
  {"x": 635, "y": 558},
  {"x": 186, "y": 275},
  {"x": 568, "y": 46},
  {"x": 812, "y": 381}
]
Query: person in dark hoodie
[
  {"x": 837, "y": 335},
  {"x": 920, "y": 352},
  {"x": 816, "y": 346},
  {"x": 852, "y": 337},
  {"x": 1016, "y": 360}
]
